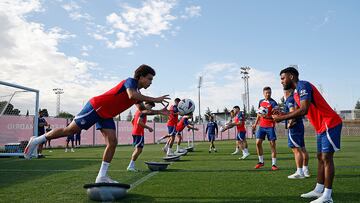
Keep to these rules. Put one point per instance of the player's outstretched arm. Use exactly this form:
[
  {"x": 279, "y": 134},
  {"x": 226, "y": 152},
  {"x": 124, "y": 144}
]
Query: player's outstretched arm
[
  {"x": 142, "y": 124},
  {"x": 163, "y": 111},
  {"x": 133, "y": 94},
  {"x": 301, "y": 111}
]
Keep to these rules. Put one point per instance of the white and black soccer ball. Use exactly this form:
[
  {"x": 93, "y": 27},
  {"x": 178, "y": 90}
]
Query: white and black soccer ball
[
  {"x": 262, "y": 110},
  {"x": 186, "y": 106}
]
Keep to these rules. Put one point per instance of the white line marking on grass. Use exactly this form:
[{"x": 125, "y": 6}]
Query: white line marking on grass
[{"x": 143, "y": 179}]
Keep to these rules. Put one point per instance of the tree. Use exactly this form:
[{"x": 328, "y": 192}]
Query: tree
[
  {"x": 253, "y": 112},
  {"x": 129, "y": 116},
  {"x": 9, "y": 108},
  {"x": 207, "y": 114},
  {"x": 66, "y": 115},
  {"x": 357, "y": 106}
]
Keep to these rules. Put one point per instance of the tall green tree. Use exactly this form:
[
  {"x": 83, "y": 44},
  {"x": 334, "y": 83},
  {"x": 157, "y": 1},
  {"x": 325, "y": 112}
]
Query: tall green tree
[
  {"x": 357, "y": 106},
  {"x": 66, "y": 115}
]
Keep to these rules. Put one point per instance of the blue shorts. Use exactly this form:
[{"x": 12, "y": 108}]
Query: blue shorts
[
  {"x": 241, "y": 136},
  {"x": 329, "y": 141},
  {"x": 269, "y": 132},
  {"x": 138, "y": 141},
  {"x": 70, "y": 138},
  {"x": 211, "y": 137},
  {"x": 296, "y": 137},
  {"x": 88, "y": 117},
  {"x": 171, "y": 130}
]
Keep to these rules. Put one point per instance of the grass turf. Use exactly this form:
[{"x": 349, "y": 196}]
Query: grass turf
[{"x": 197, "y": 177}]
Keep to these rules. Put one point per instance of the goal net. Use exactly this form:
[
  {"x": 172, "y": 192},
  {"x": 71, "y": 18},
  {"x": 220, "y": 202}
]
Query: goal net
[{"x": 18, "y": 115}]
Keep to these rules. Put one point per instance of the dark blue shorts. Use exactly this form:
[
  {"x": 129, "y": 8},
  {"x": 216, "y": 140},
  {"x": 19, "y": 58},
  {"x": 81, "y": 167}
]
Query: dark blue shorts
[
  {"x": 269, "y": 132},
  {"x": 70, "y": 138},
  {"x": 329, "y": 141},
  {"x": 88, "y": 117},
  {"x": 211, "y": 137},
  {"x": 138, "y": 141},
  {"x": 296, "y": 137},
  {"x": 241, "y": 136},
  {"x": 171, "y": 130}
]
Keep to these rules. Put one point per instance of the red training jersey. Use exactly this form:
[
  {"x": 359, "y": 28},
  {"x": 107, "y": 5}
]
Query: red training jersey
[
  {"x": 320, "y": 114},
  {"x": 270, "y": 104},
  {"x": 137, "y": 129},
  {"x": 114, "y": 101}
]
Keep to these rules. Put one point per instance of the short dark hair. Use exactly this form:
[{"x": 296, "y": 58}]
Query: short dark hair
[
  {"x": 143, "y": 71},
  {"x": 290, "y": 70},
  {"x": 236, "y": 107},
  {"x": 267, "y": 88},
  {"x": 150, "y": 103},
  {"x": 177, "y": 100}
]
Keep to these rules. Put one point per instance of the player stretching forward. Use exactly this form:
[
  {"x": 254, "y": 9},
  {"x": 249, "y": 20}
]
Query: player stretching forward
[
  {"x": 184, "y": 122},
  {"x": 296, "y": 138},
  {"x": 100, "y": 110},
  {"x": 212, "y": 132},
  {"x": 239, "y": 122},
  {"x": 139, "y": 124},
  {"x": 171, "y": 125},
  {"x": 267, "y": 127},
  {"x": 327, "y": 124}
]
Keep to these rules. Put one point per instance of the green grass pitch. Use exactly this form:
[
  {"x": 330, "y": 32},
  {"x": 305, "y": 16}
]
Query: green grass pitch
[{"x": 197, "y": 177}]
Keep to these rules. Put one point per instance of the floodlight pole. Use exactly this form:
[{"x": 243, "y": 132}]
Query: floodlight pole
[
  {"x": 245, "y": 77},
  {"x": 199, "y": 86},
  {"x": 58, "y": 92}
]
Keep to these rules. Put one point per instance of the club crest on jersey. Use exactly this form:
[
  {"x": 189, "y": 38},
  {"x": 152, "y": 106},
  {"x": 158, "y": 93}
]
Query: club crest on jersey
[
  {"x": 83, "y": 121},
  {"x": 303, "y": 93}
]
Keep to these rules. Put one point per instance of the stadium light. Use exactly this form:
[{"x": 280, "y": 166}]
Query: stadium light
[
  {"x": 199, "y": 86},
  {"x": 245, "y": 76},
  {"x": 58, "y": 92}
]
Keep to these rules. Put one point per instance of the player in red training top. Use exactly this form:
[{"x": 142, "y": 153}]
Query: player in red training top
[
  {"x": 239, "y": 122},
  {"x": 267, "y": 127},
  {"x": 171, "y": 125},
  {"x": 327, "y": 124},
  {"x": 100, "y": 110},
  {"x": 139, "y": 124}
]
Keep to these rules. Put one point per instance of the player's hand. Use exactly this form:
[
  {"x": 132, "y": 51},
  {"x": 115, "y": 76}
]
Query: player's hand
[
  {"x": 163, "y": 100},
  {"x": 291, "y": 123},
  {"x": 253, "y": 127},
  {"x": 277, "y": 118},
  {"x": 150, "y": 129}
]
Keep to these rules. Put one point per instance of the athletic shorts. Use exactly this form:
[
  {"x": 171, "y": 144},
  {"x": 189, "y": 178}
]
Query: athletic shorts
[
  {"x": 88, "y": 117},
  {"x": 241, "y": 136},
  {"x": 211, "y": 137},
  {"x": 171, "y": 130},
  {"x": 138, "y": 141},
  {"x": 269, "y": 132},
  {"x": 296, "y": 137},
  {"x": 329, "y": 141},
  {"x": 70, "y": 138}
]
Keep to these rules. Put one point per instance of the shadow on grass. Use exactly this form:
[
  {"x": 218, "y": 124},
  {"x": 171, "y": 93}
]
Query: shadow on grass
[{"x": 29, "y": 170}]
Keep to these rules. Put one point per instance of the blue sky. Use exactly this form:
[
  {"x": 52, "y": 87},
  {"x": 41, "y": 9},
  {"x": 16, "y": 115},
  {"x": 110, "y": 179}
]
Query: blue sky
[{"x": 86, "y": 47}]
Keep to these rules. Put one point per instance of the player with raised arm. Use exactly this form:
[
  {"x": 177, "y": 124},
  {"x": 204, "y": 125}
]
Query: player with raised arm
[
  {"x": 139, "y": 124},
  {"x": 327, "y": 124},
  {"x": 100, "y": 110},
  {"x": 267, "y": 128},
  {"x": 239, "y": 122},
  {"x": 296, "y": 138}
]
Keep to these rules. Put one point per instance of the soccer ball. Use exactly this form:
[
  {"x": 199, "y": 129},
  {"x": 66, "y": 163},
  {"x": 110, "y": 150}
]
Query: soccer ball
[
  {"x": 262, "y": 110},
  {"x": 186, "y": 106}
]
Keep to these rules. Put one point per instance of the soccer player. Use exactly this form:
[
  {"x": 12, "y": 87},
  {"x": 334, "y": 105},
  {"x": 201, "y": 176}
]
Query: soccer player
[
  {"x": 212, "y": 132},
  {"x": 100, "y": 110},
  {"x": 327, "y": 124},
  {"x": 239, "y": 122},
  {"x": 267, "y": 127},
  {"x": 296, "y": 138},
  {"x": 184, "y": 122},
  {"x": 41, "y": 130},
  {"x": 77, "y": 139},
  {"x": 68, "y": 139},
  {"x": 171, "y": 125},
  {"x": 139, "y": 124}
]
